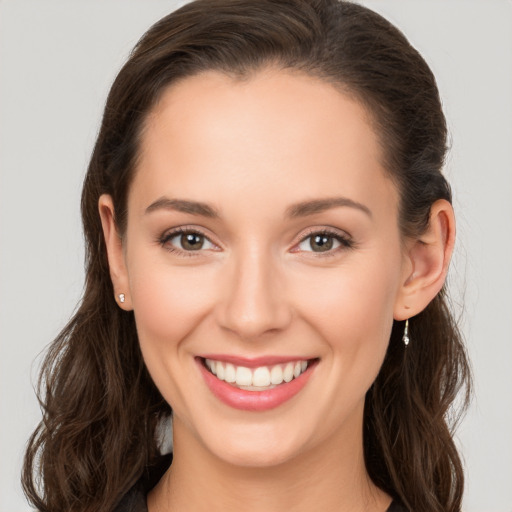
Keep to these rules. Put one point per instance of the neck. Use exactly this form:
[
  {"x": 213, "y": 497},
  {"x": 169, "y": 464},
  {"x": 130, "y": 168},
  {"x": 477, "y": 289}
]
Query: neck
[{"x": 332, "y": 477}]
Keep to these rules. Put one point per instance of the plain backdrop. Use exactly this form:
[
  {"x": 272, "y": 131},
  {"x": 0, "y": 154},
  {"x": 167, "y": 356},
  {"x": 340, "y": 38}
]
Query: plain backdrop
[{"x": 57, "y": 60}]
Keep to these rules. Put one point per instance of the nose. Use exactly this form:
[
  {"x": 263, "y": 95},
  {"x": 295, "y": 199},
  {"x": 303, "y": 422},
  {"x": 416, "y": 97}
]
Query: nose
[{"x": 254, "y": 301}]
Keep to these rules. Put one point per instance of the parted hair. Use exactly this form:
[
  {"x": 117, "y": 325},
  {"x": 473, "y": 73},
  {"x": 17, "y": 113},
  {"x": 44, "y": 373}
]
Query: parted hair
[{"x": 100, "y": 408}]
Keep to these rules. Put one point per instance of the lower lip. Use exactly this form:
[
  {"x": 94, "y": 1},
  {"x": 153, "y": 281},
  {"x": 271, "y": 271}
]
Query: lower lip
[{"x": 255, "y": 400}]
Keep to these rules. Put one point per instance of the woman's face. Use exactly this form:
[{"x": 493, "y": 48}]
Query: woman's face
[{"x": 262, "y": 236}]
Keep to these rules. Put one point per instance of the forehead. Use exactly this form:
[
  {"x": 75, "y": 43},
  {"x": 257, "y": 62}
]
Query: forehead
[{"x": 279, "y": 133}]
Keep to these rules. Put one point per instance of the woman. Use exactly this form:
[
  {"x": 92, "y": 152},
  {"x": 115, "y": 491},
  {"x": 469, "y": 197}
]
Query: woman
[{"x": 268, "y": 236}]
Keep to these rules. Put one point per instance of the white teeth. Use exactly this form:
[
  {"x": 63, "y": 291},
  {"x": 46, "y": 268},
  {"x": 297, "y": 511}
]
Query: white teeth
[
  {"x": 220, "y": 371},
  {"x": 288, "y": 372},
  {"x": 243, "y": 376},
  {"x": 230, "y": 375},
  {"x": 263, "y": 377},
  {"x": 276, "y": 375},
  {"x": 211, "y": 364}
]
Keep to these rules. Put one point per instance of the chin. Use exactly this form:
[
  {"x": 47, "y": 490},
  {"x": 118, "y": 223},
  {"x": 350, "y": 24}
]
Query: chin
[
  {"x": 249, "y": 457},
  {"x": 262, "y": 449}
]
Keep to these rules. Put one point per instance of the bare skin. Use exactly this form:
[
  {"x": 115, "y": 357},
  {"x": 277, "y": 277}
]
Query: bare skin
[
  {"x": 257, "y": 284},
  {"x": 293, "y": 485}
]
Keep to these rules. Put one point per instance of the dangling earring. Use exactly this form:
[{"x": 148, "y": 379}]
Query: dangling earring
[
  {"x": 405, "y": 337},
  {"x": 121, "y": 297}
]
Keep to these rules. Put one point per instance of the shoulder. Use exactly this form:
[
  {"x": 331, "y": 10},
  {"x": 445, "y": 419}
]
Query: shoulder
[
  {"x": 135, "y": 499},
  {"x": 396, "y": 507}
]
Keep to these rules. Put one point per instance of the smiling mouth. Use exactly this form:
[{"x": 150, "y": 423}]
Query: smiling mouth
[{"x": 260, "y": 378}]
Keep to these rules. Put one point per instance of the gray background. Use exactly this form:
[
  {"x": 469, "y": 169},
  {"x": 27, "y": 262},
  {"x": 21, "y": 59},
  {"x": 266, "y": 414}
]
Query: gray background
[{"x": 57, "y": 60}]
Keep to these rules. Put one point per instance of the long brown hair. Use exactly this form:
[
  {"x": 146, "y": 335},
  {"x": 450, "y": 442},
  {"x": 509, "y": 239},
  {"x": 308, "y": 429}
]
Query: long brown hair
[{"x": 101, "y": 408}]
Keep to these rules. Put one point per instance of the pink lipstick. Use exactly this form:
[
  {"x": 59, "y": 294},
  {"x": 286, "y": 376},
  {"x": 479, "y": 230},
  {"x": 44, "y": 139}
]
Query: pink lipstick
[{"x": 254, "y": 400}]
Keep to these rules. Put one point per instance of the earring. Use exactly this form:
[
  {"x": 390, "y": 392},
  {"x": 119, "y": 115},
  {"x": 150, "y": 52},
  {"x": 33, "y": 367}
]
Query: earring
[
  {"x": 121, "y": 297},
  {"x": 405, "y": 337}
]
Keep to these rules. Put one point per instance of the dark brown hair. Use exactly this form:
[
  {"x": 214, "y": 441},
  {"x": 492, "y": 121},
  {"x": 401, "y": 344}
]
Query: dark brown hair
[{"x": 101, "y": 408}]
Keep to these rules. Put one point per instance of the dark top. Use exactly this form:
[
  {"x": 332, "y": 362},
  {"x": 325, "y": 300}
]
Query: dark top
[{"x": 135, "y": 499}]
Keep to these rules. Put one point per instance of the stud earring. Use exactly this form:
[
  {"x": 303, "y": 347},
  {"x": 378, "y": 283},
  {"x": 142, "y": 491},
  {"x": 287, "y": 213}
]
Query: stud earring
[
  {"x": 405, "y": 337},
  {"x": 121, "y": 297}
]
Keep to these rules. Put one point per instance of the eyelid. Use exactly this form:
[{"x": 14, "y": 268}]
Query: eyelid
[
  {"x": 173, "y": 232},
  {"x": 343, "y": 238}
]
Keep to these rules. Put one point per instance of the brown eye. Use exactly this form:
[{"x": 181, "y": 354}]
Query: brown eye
[
  {"x": 191, "y": 241},
  {"x": 324, "y": 242},
  {"x": 185, "y": 241},
  {"x": 321, "y": 243}
]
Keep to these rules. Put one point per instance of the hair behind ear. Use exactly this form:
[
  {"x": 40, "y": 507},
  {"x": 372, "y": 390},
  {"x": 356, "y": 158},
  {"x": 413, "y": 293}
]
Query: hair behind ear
[{"x": 408, "y": 427}]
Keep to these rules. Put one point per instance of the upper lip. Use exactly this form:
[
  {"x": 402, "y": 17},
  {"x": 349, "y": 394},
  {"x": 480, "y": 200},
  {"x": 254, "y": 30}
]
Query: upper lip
[{"x": 254, "y": 362}]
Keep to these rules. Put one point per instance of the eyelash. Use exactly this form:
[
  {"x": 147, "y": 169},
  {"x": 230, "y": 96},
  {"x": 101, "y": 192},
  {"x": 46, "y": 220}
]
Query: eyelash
[{"x": 345, "y": 241}]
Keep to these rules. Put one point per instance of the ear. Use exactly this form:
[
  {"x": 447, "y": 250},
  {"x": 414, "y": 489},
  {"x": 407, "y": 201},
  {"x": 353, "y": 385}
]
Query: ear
[
  {"x": 426, "y": 262},
  {"x": 115, "y": 253}
]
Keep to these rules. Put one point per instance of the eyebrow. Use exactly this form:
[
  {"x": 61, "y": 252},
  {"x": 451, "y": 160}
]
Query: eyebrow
[
  {"x": 320, "y": 205},
  {"x": 182, "y": 205},
  {"x": 294, "y": 211}
]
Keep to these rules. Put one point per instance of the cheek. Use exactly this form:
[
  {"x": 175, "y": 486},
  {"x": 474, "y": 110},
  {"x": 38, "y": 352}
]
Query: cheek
[
  {"x": 353, "y": 314},
  {"x": 351, "y": 308},
  {"x": 168, "y": 302},
  {"x": 352, "y": 304}
]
